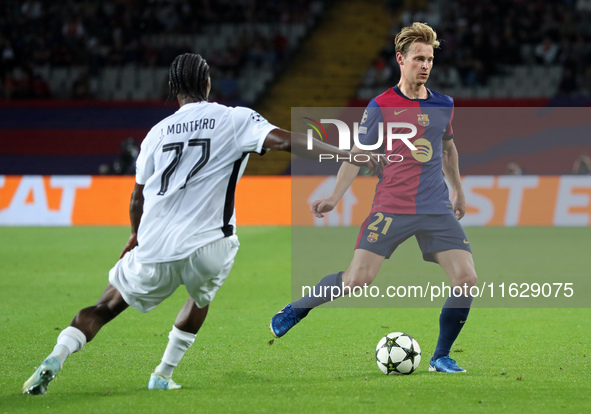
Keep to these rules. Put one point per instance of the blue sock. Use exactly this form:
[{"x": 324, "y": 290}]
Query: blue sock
[
  {"x": 451, "y": 321},
  {"x": 321, "y": 293}
]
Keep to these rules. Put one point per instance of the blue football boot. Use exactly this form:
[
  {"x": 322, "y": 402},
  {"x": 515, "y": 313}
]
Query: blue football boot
[
  {"x": 283, "y": 321},
  {"x": 444, "y": 364}
]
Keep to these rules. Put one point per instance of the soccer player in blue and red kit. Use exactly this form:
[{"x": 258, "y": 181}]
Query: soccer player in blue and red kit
[{"x": 411, "y": 197}]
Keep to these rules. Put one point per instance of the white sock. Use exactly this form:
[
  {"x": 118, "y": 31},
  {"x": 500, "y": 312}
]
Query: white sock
[
  {"x": 178, "y": 343},
  {"x": 70, "y": 340}
]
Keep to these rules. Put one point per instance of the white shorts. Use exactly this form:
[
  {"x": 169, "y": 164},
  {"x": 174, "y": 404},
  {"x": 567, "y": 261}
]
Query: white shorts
[{"x": 145, "y": 285}]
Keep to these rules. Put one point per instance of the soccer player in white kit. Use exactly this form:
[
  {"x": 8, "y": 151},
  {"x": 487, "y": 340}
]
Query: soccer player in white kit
[{"x": 182, "y": 217}]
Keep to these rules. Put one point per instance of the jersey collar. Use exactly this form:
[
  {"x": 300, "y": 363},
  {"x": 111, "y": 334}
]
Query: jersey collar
[
  {"x": 399, "y": 92},
  {"x": 188, "y": 106}
]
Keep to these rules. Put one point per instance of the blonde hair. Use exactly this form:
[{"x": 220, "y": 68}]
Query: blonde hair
[{"x": 418, "y": 32}]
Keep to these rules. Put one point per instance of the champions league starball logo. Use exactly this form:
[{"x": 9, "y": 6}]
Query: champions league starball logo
[{"x": 364, "y": 118}]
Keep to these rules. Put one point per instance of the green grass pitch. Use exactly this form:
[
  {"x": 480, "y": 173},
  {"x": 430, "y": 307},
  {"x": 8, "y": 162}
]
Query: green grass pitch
[{"x": 528, "y": 360}]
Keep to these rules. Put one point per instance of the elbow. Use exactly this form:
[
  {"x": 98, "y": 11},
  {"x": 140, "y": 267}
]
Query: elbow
[
  {"x": 136, "y": 209},
  {"x": 279, "y": 140},
  {"x": 281, "y": 145},
  {"x": 285, "y": 146},
  {"x": 137, "y": 200},
  {"x": 137, "y": 204}
]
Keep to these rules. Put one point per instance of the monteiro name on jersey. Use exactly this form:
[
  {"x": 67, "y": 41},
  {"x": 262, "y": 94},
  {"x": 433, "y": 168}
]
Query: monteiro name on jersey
[
  {"x": 189, "y": 164},
  {"x": 190, "y": 126}
]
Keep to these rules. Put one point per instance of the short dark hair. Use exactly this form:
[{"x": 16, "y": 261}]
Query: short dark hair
[{"x": 188, "y": 75}]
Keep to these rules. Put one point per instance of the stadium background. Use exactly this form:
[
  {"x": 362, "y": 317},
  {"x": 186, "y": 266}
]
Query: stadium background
[
  {"x": 78, "y": 78},
  {"x": 83, "y": 81}
]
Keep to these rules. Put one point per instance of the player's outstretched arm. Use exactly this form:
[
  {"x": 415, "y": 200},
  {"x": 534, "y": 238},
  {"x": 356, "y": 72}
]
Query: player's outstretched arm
[
  {"x": 136, "y": 209},
  {"x": 345, "y": 177},
  {"x": 451, "y": 170},
  {"x": 296, "y": 143}
]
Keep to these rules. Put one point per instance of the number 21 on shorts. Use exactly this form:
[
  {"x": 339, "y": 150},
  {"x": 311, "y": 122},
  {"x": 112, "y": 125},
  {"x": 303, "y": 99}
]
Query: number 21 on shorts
[{"x": 377, "y": 221}]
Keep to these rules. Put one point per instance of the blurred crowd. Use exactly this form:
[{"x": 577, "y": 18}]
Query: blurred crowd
[
  {"x": 481, "y": 38},
  {"x": 100, "y": 33}
]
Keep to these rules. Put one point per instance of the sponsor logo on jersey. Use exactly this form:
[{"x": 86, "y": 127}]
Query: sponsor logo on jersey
[
  {"x": 373, "y": 237},
  {"x": 423, "y": 119},
  {"x": 399, "y": 112},
  {"x": 424, "y": 151}
]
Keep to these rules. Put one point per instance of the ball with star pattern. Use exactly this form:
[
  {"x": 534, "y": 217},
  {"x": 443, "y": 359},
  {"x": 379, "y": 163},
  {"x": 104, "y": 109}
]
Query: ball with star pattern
[{"x": 398, "y": 353}]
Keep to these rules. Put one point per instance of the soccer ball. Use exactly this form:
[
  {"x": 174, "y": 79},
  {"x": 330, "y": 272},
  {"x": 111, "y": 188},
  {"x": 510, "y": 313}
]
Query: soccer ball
[{"x": 398, "y": 353}]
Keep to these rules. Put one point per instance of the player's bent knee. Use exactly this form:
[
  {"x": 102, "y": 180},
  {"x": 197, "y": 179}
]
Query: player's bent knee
[
  {"x": 471, "y": 279},
  {"x": 359, "y": 274},
  {"x": 353, "y": 280},
  {"x": 353, "y": 283},
  {"x": 467, "y": 278}
]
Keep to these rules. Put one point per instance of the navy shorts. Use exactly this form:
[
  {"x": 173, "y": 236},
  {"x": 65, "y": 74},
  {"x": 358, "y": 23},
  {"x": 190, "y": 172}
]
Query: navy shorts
[{"x": 382, "y": 233}]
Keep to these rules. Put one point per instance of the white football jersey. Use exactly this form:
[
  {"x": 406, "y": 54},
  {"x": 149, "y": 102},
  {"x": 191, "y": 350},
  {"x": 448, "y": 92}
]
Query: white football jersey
[{"x": 190, "y": 163}]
